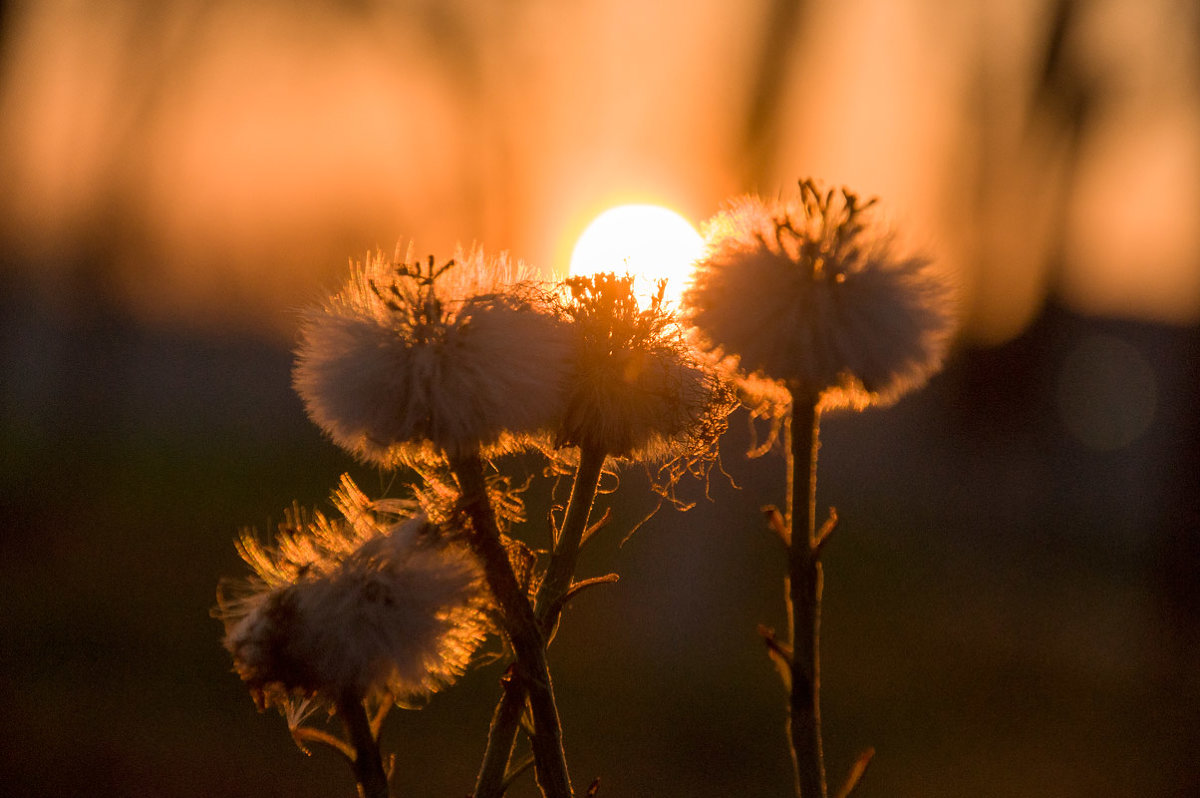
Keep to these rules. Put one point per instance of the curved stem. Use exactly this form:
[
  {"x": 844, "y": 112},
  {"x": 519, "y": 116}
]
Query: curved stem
[
  {"x": 804, "y": 599},
  {"x": 367, "y": 763},
  {"x": 507, "y": 717},
  {"x": 520, "y": 625}
]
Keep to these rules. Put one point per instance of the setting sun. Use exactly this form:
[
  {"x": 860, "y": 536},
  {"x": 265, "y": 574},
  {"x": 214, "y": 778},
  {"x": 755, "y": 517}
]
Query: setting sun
[{"x": 648, "y": 241}]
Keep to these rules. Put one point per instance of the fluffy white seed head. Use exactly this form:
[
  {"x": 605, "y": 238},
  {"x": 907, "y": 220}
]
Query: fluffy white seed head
[
  {"x": 810, "y": 294},
  {"x": 408, "y": 363},
  {"x": 638, "y": 391},
  {"x": 360, "y": 606}
]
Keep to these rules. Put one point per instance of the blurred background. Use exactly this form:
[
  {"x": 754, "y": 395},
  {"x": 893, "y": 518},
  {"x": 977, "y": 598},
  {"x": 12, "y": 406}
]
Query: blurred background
[{"x": 1012, "y": 603}]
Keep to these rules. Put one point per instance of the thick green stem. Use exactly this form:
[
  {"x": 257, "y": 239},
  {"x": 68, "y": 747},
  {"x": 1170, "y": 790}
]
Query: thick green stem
[
  {"x": 804, "y": 599},
  {"x": 507, "y": 717},
  {"x": 368, "y": 763},
  {"x": 520, "y": 625}
]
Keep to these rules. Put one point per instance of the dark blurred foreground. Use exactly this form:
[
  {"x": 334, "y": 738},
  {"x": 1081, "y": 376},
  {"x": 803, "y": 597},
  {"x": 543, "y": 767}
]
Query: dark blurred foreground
[{"x": 1011, "y": 604}]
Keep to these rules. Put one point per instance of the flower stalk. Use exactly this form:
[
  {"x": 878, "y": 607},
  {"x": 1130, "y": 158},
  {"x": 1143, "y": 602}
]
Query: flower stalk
[
  {"x": 368, "y": 762},
  {"x": 637, "y": 393},
  {"x": 803, "y": 303},
  {"x": 520, "y": 626},
  {"x": 555, "y": 584},
  {"x": 502, "y": 734},
  {"x": 804, "y": 598},
  {"x": 810, "y": 302},
  {"x": 561, "y": 569}
]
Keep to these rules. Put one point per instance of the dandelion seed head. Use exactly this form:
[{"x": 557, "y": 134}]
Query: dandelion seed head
[
  {"x": 410, "y": 362},
  {"x": 809, "y": 293},
  {"x": 362, "y": 606}
]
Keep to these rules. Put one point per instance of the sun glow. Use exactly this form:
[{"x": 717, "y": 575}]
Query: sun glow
[{"x": 648, "y": 241}]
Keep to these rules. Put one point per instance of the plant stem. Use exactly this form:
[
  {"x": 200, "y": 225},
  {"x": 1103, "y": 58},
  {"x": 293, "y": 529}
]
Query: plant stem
[
  {"x": 501, "y": 736},
  {"x": 804, "y": 598},
  {"x": 566, "y": 549},
  {"x": 520, "y": 625},
  {"x": 367, "y": 764},
  {"x": 507, "y": 717}
]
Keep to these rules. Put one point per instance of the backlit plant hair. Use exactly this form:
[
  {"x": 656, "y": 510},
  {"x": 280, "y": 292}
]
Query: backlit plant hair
[
  {"x": 352, "y": 612},
  {"x": 638, "y": 390},
  {"x": 442, "y": 366},
  {"x": 412, "y": 361},
  {"x": 809, "y": 299},
  {"x": 638, "y": 393},
  {"x": 810, "y": 293},
  {"x": 447, "y": 366}
]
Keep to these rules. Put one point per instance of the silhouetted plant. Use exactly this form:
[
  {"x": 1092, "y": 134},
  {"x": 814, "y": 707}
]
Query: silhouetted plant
[
  {"x": 442, "y": 369},
  {"x": 815, "y": 312}
]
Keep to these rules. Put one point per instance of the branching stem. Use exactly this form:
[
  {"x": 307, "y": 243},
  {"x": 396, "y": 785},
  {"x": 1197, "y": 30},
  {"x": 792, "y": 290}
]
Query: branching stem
[
  {"x": 521, "y": 627},
  {"x": 507, "y": 717},
  {"x": 566, "y": 549},
  {"x": 492, "y": 779}
]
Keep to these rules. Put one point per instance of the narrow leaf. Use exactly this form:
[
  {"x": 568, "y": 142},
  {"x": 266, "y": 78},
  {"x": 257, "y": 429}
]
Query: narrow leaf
[
  {"x": 385, "y": 705},
  {"x": 856, "y": 773},
  {"x": 780, "y": 653},
  {"x": 516, "y": 770},
  {"x": 775, "y": 521},
  {"x": 304, "y": 734},
  {"x": 825, "y": 531},
  {"x": 583, "y": 584},
  {"x": 597, "y": 526}
]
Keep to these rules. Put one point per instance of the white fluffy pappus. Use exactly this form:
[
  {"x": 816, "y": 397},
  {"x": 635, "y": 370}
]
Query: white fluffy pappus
[
  {"x": 809, "y": 293},
  {"x": 356, "y": 607},
  {"x": 638, "y": 390},
  {"x": 407, "y": 363}
]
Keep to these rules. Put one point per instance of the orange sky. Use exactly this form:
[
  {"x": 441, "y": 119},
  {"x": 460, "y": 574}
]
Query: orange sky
[{"x": 225, "y": 160}]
